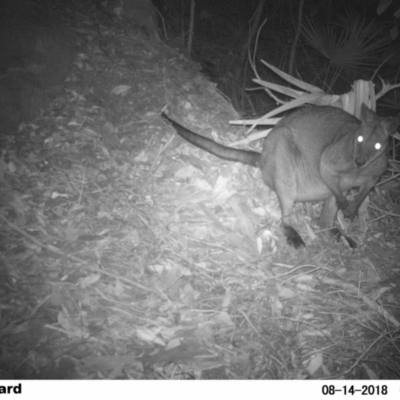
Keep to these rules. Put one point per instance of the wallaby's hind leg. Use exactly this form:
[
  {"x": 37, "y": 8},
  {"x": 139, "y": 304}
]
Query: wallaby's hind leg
[
  {"x": 279, "y": 163},
  {"x": 327, "y": 218},
  {"x": 292, "y": 236},
  {"x": 286, "y": 201}
]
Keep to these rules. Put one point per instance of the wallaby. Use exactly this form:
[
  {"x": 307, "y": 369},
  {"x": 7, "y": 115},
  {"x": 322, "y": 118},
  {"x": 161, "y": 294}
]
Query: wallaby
[{"x": 315, "y": 153}]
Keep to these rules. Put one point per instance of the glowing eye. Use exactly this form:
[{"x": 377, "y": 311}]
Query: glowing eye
[
  {"x": 360, "y": 139},
  {"x": 378, "y": 146}
]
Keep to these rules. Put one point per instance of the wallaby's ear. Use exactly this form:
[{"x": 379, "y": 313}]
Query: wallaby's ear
[
  {"x": 367, "y": 115},
  {"x": 390, "y": 124}
]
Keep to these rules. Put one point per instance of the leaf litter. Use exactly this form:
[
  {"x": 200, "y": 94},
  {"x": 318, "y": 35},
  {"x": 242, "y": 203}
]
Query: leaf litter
[{"x": 128, "y": 253}]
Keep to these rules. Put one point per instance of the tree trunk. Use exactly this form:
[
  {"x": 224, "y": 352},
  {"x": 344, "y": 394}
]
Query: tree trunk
[
  {"x": 296, "y": 38},
  {"x": 191, "y": 26}
]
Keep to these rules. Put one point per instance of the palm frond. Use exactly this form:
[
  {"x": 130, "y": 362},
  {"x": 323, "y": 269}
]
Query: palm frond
[{"x": 353, "y": 48}]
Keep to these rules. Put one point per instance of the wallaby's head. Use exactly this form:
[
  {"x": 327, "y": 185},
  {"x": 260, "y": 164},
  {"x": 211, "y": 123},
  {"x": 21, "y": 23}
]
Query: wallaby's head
[{"x": 371, "y": 138}]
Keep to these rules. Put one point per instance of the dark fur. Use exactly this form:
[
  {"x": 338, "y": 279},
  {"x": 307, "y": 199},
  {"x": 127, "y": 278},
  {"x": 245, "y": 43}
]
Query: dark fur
[{"x": 314, "y": 154}]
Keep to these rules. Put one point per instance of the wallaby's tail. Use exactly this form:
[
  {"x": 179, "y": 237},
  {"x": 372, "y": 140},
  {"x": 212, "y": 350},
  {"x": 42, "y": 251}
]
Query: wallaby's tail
[{"x": 244, "y": 156}]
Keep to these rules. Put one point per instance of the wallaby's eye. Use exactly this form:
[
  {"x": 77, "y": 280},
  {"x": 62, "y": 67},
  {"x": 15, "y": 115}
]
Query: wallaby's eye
[
  {"x": 360, "y": 139},
  {"x": 378, "y": 146}
]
